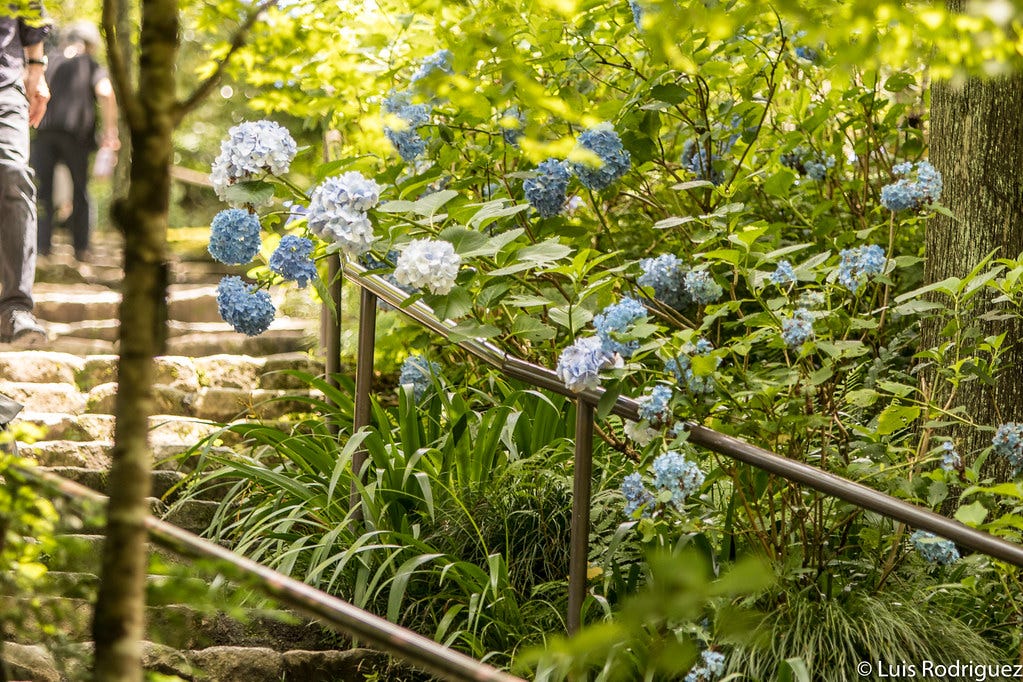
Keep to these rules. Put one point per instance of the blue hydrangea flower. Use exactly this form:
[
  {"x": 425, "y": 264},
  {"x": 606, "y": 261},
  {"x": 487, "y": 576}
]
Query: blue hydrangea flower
[
  {"x": 636, "y": 495},
  {"x": 614, "y": 159},
  {"x": 405, "y": 137},
  {"x": 934, "y": 549},
  {"x": 637, "y": 13},
  {"x": 512, "y": 123},
  {"x": 438, "y": 61},
  {"x": 666, "y": 276},
  {"x": 337, "y": 211},
  {"x": 248, "y": 309},
  {"x": 858, "y": 264},
  {"x": 696, "y": 160},
  {"x": 701, "y": 287},
  {"x": 784, "y": 274},
  {"x": 234, "y": 236},
  {"x": 710, "y": 667},
  {"x": 919, "y": 185},
  {"x": 546, "y": 191},
  {"x": 580, "y": 364},
  {"x": 1008, "y": 443},
  {"x": 655, "y": 406},
  {"x": 807, "y": 53},
  {"x": 292, "y": 259},
  {"x": 950, "y": 459},
  {"x": 805, "y": 161},
  {"x": 798, "y": 329},
  {"x": 251, "y": 150},
  {"x": 674, "y": 473},
  {"x": 418, "y": 372},
  {"x": 429, "y": 263},
  {"x": 617, "y": 318},
  {"x": 642, "y": 435},
  {"x": 682, "y": 368}
]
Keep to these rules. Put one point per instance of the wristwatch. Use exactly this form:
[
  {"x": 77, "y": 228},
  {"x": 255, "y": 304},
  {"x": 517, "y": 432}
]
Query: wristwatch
[{"x": 41, "y": 61}]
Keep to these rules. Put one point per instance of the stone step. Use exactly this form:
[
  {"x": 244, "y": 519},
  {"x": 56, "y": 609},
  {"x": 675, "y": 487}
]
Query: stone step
[
  {"x": 213, "y": 664},
  {"x": 176, "y": 625},
  {"x": 39, "y": 397}
]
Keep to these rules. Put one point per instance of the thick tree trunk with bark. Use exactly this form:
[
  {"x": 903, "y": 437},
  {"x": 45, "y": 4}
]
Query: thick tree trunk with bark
[
  {"x": 118, "y": 625},
  {"x": 977, "y": 144}
]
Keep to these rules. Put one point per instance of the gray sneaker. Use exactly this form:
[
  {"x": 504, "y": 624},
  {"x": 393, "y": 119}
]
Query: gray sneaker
[{"x": 20, "y": 328}]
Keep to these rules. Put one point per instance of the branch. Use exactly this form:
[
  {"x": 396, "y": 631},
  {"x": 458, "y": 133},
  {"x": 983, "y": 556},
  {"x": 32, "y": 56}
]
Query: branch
[
  {"x": 237, "y": 41},
  {"x": 126, "y": 96}
]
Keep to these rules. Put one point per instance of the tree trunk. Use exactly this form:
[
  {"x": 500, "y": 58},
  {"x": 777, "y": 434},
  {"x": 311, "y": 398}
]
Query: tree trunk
[
  {"x": 118, "y": 624},
  {"x": 977, "y": 144}
]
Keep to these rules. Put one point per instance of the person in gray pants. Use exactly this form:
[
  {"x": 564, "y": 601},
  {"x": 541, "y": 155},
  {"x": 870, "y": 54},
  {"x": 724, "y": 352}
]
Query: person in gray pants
[
  {"x": 23, "y": 98},
  {"x": 8, "y": 411}
]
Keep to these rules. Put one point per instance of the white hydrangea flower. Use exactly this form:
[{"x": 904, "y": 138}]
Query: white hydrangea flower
[
  {"x": 337, "y": 211},
  {"x": 249, "y": 150},
  {"x": 639, "y": 434},
  {"x": 428, "y": 263}
]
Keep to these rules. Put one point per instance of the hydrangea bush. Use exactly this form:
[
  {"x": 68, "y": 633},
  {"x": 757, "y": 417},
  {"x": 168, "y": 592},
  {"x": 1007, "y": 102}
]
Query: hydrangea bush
[{"x": 710, "y": 234}]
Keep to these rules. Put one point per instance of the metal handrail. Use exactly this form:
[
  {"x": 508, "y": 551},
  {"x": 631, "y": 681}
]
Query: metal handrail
[
  {"x": 335, "y": 613},
  {"x": 797, "y": 472}
]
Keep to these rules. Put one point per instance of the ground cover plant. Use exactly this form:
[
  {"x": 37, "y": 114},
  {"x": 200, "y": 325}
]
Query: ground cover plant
[{"x": 729, "y": 228}]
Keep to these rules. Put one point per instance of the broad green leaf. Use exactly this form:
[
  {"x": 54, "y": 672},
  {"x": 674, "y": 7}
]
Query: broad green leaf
[
  {"x": 972, "y": 514},
  {"x": 895, "y": 417}
]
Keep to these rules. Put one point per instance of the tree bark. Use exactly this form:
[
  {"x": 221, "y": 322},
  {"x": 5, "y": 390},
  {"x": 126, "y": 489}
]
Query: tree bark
[
  {"x": 119, "y": 622},
  {"x": 977, "y": 145}
]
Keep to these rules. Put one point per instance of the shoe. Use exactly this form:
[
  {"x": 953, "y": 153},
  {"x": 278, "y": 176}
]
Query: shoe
[
  {"x": 83, "y": 255},
  {"x": 20, "y": 328}
]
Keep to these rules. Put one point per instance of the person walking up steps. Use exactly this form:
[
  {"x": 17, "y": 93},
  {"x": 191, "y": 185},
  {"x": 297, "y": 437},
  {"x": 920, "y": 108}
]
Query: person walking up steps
[
  {"x": 23, "y": 98},
  {"x": 67, "y": 133}
]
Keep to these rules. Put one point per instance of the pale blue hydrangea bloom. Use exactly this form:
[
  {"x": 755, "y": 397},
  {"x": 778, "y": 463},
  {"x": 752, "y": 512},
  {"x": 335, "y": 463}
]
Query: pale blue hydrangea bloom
[
  {"x": 701, "y": 287},
  {"x": 655, "y": 406},
  {"x": 512, "y": 134},
  {"x": 784, "y": 274},
  {"x": 234, "y": 236},
  {"x": 292, "y": 259},
  {"x": 681, "y": 367},
  {"x": 248, "y": 309},
  {"x": 636, "y": 495},
  {"x": 405, "y": 138},
  {"x": 337, "y": 211},
  {"x": 934, "y": 549},
  {"x": 950, "y": 459},
  {"x": 920, "y": 184},
  {"x": 695, "y": 159},
  {"x": 674, "y": 473},
  {"x": 617, "y": 318},
  {"x": 637, "y": 13},
  {"x": 1008, "y": 443},
  {"x": 251, "y": 150},
  {"x": 858, "y": 264},
  {"x": 666, "y": 276},
  {"x": 418, "y": 372},
  {"x": 615, "y": 160},
  {"x": 547, "y": 189},
  {"x": 428, "y": 263},
  {"x": 805, "y": 161},
  {"x": 798, "y": 329},
  {"x": 807, "y": 53},
  {"x": 642, "y": 435},
  {"x": 710, "y": 667},
  {"x": 438, "y": 61},
  {"x": 580, "y": 364}
]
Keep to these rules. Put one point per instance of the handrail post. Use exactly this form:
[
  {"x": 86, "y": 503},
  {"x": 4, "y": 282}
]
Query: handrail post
[
  {"x": 363, "y": 388},
  {"x": 331, "y": 328},
  {"x": 580, "y": 540}
]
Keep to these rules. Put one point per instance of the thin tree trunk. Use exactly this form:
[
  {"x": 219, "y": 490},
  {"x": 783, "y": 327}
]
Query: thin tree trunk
[
  {"x": 977, "y": 144},
  {"x": 119, "y": 623}
]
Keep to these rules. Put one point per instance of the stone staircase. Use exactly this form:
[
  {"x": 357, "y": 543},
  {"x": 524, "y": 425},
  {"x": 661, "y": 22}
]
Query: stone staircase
[{"x": 197, "y": 629}]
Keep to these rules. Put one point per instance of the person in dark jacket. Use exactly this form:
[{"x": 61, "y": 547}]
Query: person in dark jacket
[
  {"x": 67, "y": 133},
  {"x": 23, "y": 98}
]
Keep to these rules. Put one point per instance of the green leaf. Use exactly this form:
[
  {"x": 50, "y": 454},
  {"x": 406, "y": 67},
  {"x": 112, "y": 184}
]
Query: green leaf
[
  {"x": 572, "y": 318},
  {"x": 895, "y": 417},
  {"x": 972, "y": 514},
  {"x": 779, "y": 184},
  {"x": 898, "y": 82},
  {"x": 793, "y": 670},
  {"x": 669, "y": 92},
  {"x": 254, "y": 192},
  {"x": 470, "y": 329},
  {"x": 532, "y": 329},
  {"x": 452, "y": 305},
  {"x": 863, "y": 397},
  {"x": 467, "y": 243}
]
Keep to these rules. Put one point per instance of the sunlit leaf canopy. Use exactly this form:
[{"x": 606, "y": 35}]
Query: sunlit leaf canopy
[{"x": 577, "y": 63}]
